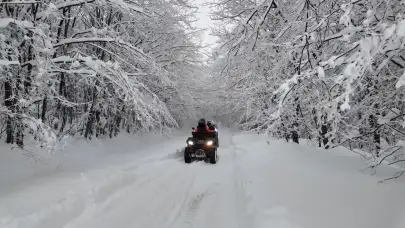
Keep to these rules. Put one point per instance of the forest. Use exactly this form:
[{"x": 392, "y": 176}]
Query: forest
[{"x": 327, "y": 71}]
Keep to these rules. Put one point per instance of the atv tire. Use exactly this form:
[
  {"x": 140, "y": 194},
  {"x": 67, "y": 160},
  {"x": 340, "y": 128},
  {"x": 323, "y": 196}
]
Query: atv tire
[
  {"x": 187, "y": 158},
  {"x": 213, "y": 157}
]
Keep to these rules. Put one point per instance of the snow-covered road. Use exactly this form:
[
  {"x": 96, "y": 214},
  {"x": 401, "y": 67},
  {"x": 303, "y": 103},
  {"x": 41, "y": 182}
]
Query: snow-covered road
[{"x": 255, "y": 184}]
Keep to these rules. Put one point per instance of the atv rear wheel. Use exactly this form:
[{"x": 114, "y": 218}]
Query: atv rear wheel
[
  {"x": 213, "y": 157},
  {"x": 187, "y": 157}
]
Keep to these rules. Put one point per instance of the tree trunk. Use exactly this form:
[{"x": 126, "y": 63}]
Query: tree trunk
[
  {"x": 44, "y": 104},
  {"x": 19, "y": 137},
  {"x": 9, "y": 130},
  {"x": 325, "y": 139},
  {"x": 294, "y": 133},
  {"x": 295, "y": 137},
  {"x": 90, "y": 120},
  {"x": 9, "y": 103},
  {"x": 376, "y": 135}
]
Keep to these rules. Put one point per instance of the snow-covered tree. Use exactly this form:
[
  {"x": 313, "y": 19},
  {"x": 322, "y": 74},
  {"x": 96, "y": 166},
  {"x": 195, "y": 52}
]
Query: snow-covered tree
[
  {"x": 94, "y": 67},
  {"x": 330, "y": 71}
]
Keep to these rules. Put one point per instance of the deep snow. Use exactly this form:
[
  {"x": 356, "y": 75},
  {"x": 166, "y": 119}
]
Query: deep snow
[{"x": 143, "y": 182}]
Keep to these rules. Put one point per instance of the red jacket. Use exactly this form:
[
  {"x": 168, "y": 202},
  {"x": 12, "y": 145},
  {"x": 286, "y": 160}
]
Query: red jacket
[{"x": 206, "y": 128}]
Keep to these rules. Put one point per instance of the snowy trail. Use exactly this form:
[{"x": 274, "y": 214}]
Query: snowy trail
[{"x": 253, "y": 185}]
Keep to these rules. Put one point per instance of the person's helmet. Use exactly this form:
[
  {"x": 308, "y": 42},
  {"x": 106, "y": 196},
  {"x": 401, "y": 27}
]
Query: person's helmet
[
  {"x": 209, "y": 123},
  {"x": 201, "y": 121}
]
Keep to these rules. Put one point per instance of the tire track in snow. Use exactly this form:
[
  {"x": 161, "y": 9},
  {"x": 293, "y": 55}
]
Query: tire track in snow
[
  {"x": 198, "y": 191},
  {"x": 242, "y": 199},
  {"x": 97, "y": 190},
  {"x": 244, "y": 213},
  {"x": 144, "y": 186},
  {"x": 178, "y": 209},
  {"x": 193, "y": 208},
  {"x": 151, "y": 205}
]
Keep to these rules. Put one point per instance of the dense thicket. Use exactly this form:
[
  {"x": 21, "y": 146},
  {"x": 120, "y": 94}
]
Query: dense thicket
[
  {"x": 94, "y": 67},
  {"x": 331, "y": 71}
]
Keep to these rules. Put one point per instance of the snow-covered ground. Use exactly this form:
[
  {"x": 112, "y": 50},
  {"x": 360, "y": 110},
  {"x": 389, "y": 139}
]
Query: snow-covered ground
[{"x": 143, "y": 182}]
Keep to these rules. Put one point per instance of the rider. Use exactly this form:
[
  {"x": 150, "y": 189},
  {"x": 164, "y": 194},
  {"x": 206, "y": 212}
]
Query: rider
[
  {"x": 214, "y": 129},
  {"x": 211, "y": 126},
  {"x": 202, "y": 126}
]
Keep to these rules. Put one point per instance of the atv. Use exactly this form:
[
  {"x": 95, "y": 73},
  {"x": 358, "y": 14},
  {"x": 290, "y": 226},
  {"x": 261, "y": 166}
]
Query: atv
[{"x": 201, "y": 146}]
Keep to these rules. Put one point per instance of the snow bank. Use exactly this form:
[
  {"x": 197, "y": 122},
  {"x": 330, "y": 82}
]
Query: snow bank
[
  {"x": 317, "y": 188},
  {"x": 20, "y": 165},
  {"x": 54, "y": 190},
  {"x": 72, "y": 155}
]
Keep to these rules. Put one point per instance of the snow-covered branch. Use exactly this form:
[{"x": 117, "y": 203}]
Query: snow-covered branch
[
  {"x": 330, "y": 71},
  {"x": 95, "y": 67}
]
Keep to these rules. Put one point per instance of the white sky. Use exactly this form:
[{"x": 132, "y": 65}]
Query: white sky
[{"x": 205, "y": 22}]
